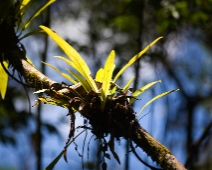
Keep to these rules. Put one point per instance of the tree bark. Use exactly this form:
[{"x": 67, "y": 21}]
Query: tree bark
[{"x": 158, "y": 152}]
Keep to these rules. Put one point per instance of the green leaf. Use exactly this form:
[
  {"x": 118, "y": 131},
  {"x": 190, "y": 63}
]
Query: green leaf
[
  {"x": 52, "y": 101},
  {"x": 54, "y": 162},
  {"x": 61, "y": 73},
  {"x": 108, "y": 72},
  {"x": 30, "y": 62},
  {"x": 71, "y": 63},
  {"x": 128, "y": 83},
  {"x": 32, "y": 33},
  {"x": 142, "y": 89},
  {"x": 37, "y": 12},
  {"x": 107, "y": 77},
  {"x": 81, "y": 80},
  {"x": 21, "y": 8},
  {"x": 99, "y": 75},
  {"x": 155, "y": 98},
  {"x": 3, "y": 79},
  {"x": 113, "y": 91},
  {"x": 136, "y": 57},
  {"x": 78, "y": 77},
  {"x": 74, "y": 56},
  {"x": 24, "y": 3}
]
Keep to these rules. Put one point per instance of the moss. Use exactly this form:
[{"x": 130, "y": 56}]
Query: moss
[
  {"x": 33, "y": 81},
  {"x": 152, "y": 147}
]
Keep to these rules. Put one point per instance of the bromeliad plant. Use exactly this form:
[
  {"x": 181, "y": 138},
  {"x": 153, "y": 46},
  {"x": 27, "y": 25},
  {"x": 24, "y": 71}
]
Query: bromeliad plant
[
  {"x": 103, "y": 85},
  {"x": 106, "y": 105}
]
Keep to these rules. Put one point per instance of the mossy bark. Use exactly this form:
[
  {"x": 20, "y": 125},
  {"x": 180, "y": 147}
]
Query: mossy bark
[{"x": 158, "y": 152}]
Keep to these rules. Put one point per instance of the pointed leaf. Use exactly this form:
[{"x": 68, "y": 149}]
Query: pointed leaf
[
  {"x": 37, "y": 12},
  {"x": 107, "y": 78},
  {"x": 108, "y": 72},
  {"x": 61, "y": 73},
  {"x": 136, "y": 57},
  {"x": 99, "y": 75},
  {"x": 71, "y": 63},
  {"x": 113, "y": 91},
  {"x": 24, "y": 3},
  {"x": 128, "y": 83},
  {"x": 32, "y": 33},
  {"x": 21, "y": 8},
  {"x": 30, "y": 62},
  {"x": 81, "y": 65},
  {"x": 3, "y": 79},
  {"x": 155, "y": 98},
  {"x": 142, "y": 89},
  {"x": 54, "y": 162},
  {"x": 81, "y": 80}
]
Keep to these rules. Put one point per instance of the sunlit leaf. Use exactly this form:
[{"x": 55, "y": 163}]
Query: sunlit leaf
[
  {"x": 155, "y": 98},
  {"x": 30, "y": 62},
  {"x": 81, "y": 80},
  {"x": 61, "y": 73},
  {"x": 24, "y": 3},
  {"x": 3, "y": 79},
  {"x": 142, "y": 89},
  {"x": 52, "y": 101},
  {"x": 108, "y": 72},
  {"x": 74, "y": 56},
  {"x": 136, "y": 57},
  {"x": 71, "y": 63},
  {"x": 21, "y": 8},
  {"x": 37, "y": 12},
  {"x": 99, "y": 75},
  {"x": 113, "y": 90},
  {"x": 128, "y": 83}
]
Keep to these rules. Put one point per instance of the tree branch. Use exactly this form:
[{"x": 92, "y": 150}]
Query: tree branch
[
  {"x": 117, "y": 118},
  {"x": 138, "y": 135}
]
